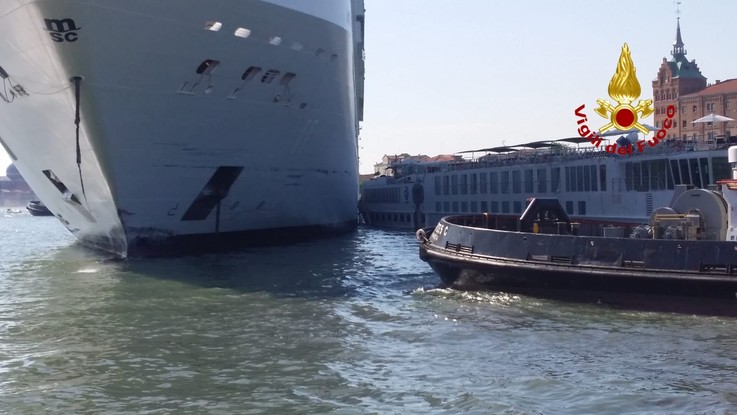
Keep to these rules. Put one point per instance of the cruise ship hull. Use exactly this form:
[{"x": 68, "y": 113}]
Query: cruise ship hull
[{"x": 144, "y": 125}]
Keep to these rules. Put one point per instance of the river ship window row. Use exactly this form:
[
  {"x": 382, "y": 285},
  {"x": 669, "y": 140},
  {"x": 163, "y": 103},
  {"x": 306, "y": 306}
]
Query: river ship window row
[
  {"x": 533, "y": 181},
  {"x": 662, "y": 174},
  {"x": 390, "y": 217},
  {"x": 504, "y": 207},
  {"x": 390, "y": 195},
  {"x": 646, "y": 175}
]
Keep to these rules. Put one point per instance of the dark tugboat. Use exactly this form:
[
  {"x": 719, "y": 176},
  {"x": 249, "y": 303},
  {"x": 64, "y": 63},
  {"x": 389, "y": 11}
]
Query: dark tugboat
[
  {"x": 688, "y": 250},
  {"x": 36, "y": 208}
]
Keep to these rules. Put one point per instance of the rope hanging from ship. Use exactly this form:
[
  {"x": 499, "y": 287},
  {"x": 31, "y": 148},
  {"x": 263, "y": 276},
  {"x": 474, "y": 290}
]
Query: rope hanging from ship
[{"x": 77, "y": 94}]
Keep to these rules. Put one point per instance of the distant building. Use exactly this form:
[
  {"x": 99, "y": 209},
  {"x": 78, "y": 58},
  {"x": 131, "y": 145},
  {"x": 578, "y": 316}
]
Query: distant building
[
  {"x": 680, "y": 83},
  {"x": 14, "y": 191},
  {"x": 384, "y": 168},
  {"x": 404, "y": 161},
  {"x": 13, "y": 181}
]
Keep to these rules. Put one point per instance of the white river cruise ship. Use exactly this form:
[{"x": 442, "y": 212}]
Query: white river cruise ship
[{"x": 593, "y": 186}]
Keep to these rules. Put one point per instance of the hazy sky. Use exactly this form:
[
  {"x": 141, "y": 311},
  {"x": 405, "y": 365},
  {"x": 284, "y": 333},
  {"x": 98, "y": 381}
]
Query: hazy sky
[
  {"x": 444, "y": 76},
  {"x": 450, "y": 75}
]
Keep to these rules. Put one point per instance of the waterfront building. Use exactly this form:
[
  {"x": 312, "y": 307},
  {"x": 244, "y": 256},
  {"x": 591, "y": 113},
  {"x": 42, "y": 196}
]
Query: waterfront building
[
  {"x": 679, "y": 82},
  {"x": 14, "y": 191}
]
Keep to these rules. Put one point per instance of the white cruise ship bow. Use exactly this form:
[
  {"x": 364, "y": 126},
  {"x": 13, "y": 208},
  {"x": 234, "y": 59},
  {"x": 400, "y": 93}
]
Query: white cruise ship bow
[{"x": 144, "y": 125}]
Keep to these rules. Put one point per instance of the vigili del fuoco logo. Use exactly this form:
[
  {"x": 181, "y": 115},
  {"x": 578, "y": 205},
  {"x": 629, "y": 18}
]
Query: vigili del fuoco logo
[{"x": 624, "y": 88}]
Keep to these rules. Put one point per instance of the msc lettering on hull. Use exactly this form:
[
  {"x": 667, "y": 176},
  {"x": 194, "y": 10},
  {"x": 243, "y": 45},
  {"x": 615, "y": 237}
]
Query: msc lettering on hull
[{"x": 62, "y": 30}]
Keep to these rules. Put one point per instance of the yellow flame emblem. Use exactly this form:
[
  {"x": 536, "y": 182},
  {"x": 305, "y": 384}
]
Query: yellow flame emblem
[{"x": 624, "y": 88}]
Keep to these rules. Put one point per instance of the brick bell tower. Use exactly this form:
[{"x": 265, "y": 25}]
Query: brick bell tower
[{"x": 676, "y": 77}]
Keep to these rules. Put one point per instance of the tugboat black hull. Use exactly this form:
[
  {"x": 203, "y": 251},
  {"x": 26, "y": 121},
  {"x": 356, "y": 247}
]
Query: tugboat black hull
[
  {"x": 677, "y": 257},
  {"x": 467, "y": 272}
]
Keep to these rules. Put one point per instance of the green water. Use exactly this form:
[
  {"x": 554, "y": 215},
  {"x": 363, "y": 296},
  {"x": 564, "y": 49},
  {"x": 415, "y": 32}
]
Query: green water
[{"x": 339, "y": 326}]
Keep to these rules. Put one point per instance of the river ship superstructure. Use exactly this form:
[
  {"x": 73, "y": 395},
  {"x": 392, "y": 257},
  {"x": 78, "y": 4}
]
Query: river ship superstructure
[
  {"x": 141, "y": 123},
  {"x": 594, "y": 186}
]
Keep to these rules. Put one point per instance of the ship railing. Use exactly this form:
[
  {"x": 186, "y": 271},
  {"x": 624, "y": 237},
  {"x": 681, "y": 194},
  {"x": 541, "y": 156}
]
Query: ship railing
[
  {"x": 667, "y": 147},
  {"x": 563, "y": 154},
  {"x": 482, "y": 220}
]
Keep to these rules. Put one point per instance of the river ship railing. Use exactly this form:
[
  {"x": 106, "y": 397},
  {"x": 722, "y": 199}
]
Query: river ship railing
[{"x": 554, "y": 154}]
